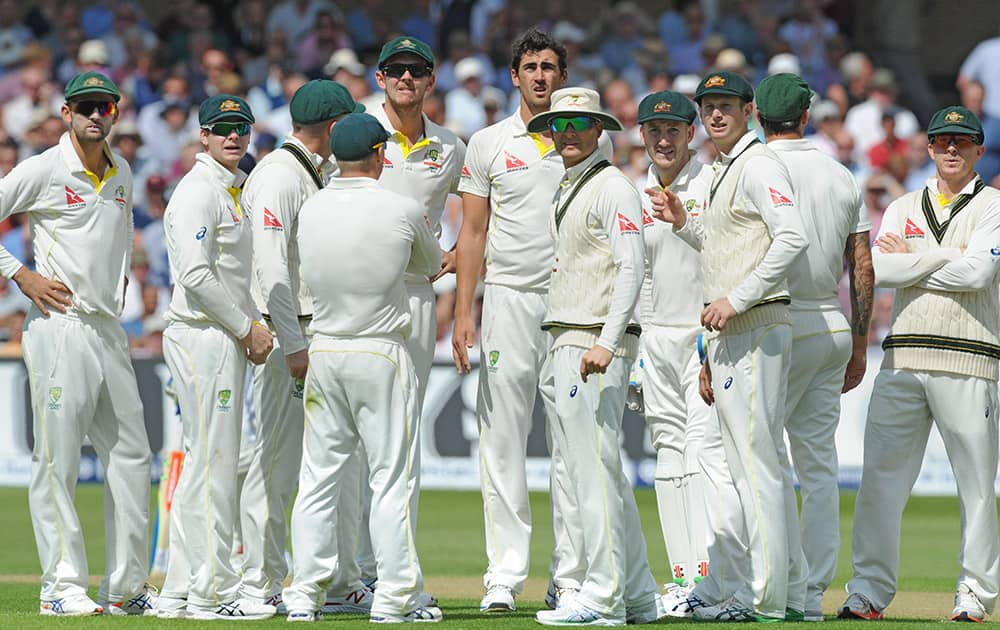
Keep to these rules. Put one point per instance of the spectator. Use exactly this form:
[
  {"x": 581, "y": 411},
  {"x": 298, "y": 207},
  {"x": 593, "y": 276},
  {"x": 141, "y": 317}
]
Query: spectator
[
  {"x": 128, "y": 143},
  {"x": 13, "y": 35},
  {"x": 251, "y": 28},
  {"x": 269, "y": 94},
  {"x": 466, "y": 114},
  {"x": 127, "y": 27},
  {"x": 70, "y": 43},
  {"x": 979, "y": 83},
  {"x": 344, "y": 68},
  {"x": 892, "y": 151},
  {"x": 363, "y": 25},
  {"x": 807, "y": 33},
  {"x": 826, "y": 122},
  {"x": 921, "y": 166},
  {"x": 686, "y": 49},
  {"x": 168, "y": 124},
  {"x": 857, "y": 72},
  {"x": 214, "y": 64},
  {"x": 9, "y": 150},
  {"x": 38, "y": 95},
  {"x": 459, "y": 47},
  {"x": 316, "y": 48},
  {"x": 864, "y": 121},
  {"x": 153, "y": 239},
  {"x": 572, "y": 37},
  {"x": 278, "y": 121},
  {"x": 740, "y": 26},
  {"x": 43, "y": 132},
  {"x": 13, "y": 307},
  {"x": 295, "y": 17},
  {"x": 419, "y": 22},
  {"x": 93, "y": 56},
  {"x": 627, "y": 26}
]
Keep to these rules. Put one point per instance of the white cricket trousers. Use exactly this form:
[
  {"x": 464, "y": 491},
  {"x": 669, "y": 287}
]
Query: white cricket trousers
[
  {"x": 358, "y": 391},
  {"x": 821, "y": 348},
  {"x": 514, "y": 348},
  {"x": 749, "y": 379},
  {"x": 587, "y": 427},
  {"x": 676, "y": 416},
  {"x": 83, "y": 386},
  {"x": 209, "y": 369},
  {"x": 904, "y": 404}
]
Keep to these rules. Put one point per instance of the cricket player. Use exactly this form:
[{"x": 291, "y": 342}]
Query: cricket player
[
  {"x": 78, "y": 196},
  {"x": 828, "y": 353},
  {"x": 213, "y": 329},
  {"x": 361, "y": 387},
  {"x": 272, "y": 197},
  {"x": 509, "y": 180},
  {"x": 670, "y": 306},
  {"x": 423, "y": 161},
  {"x": 599, "y": 266},
  {"x": 749, "y": 236},
  {"x": 940, "y": 249}
]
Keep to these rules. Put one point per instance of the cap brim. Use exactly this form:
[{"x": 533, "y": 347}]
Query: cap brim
[
  {"x": 955, "y": 129},
  {"x": 666, "y": 116},
  {"x": 722, "y": 92},
  {"x": 540, "y": 122},
  {"x": 76, "y": 95}
]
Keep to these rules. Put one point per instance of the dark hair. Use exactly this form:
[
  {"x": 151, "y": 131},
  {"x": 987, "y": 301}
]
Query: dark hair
[
  {"x": 533, "y": 40},
  {"x": 776, "y": 126}
]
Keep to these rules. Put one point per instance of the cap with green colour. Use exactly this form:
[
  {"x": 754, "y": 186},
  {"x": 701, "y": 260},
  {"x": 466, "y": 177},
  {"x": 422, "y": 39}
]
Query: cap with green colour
[
  {"x": 725, "y": 84},
  {"x": 783, "y": 97},
  {"x": 667, "y": 105},
  {"x": 321, "y": 100},
  {"x": 406, "y": 44},
  {"x": 955, "y": 119},
  {"x": 91, "y": 83},
  {"x": 224, "y": 107},
  {"x": 355, "y": 136}
]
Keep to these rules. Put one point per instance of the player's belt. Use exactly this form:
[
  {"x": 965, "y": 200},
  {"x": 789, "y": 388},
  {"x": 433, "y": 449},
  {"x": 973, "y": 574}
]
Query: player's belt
[
  {"x": 939, "y": 342},
  {"x": 631, "y": 329},
  {"x": 781, "y": 299},
  {"x": 302, "y": 318}
]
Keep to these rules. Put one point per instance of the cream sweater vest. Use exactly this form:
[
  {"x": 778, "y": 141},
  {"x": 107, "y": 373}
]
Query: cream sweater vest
[
  {"x": 736, "y": 241},
  {"x": 944, "y": 331},
  {"x": 580, "y": 294}
]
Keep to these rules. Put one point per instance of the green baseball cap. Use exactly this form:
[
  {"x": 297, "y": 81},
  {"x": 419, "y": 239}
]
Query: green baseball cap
[
  {"x": 783, "y": 97},
  {"x": 958, "y": 120},
  {"x": 355, "y": 136},
  {"x": 91, "y": 83},
  {"x": 725, "y": 83},
  {"x": 320, "y": 100},
  {"x": 667, "y": 105},
  {"x": 224, "y": 107},
  {"x": 406, "y": 44}
]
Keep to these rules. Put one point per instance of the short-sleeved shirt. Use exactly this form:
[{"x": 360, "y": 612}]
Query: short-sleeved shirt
[{"x": 981, "y": 66}]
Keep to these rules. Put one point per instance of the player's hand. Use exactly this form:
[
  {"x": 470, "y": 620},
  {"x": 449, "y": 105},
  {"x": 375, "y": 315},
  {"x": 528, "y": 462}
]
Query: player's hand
[
  {"x": 705, "y": 384},
  {"x": 595, "y": 361},
  {"x": 892, "y": 244},
  {"x": 448, "y": 265},
  {"x": 463, "y": 336},
  {"x": 716, "y": 314},
  {"x": 41, "y": 291},
  {"x": 258, "y": 343},
  {"x": 298, "y": 363},
  {"x": 667, "y": 207},
  {"x": 855, "y": 371}
]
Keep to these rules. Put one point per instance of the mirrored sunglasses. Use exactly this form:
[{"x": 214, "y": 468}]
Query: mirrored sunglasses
[
  {"x": 946, "y": 140},
  {"x": 578, "y": 123},
  {"x": 86, "y": 108},
  {"x": 416, "y": 70},
  {"x": 225, "y": 128}
]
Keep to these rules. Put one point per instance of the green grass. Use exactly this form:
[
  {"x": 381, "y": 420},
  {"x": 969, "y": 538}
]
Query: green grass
[{"x": 450, "y": 540}]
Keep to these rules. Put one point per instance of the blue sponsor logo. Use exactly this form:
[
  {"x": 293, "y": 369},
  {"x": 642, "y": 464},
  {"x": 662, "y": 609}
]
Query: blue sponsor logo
[
  {"x": 201, "y": 233},
  {"x": 572, "y": 392},
  {"x": 995, "y": 251},
  {"x": 729, "y": 383}
]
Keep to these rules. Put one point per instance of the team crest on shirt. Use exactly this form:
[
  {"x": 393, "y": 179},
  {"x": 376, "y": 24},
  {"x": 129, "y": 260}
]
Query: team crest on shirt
[
  {"x": 433, "y": 159},
  {"x": 912, "y": 230},
  {"x": 73, "y": 199},
  {"x": 298, "y": 388},
  {"x": 120, "y": 196},
  {"x": 494, "y": 357},
  {"x": 55, "y": 395},
  {"x": 625, "y": 225},
  {"x": 271, "y": 222},
  {"x": 779, "y": 199},
  {"x": 514, "y": 163},
  {"x": 225, "y": 399}
]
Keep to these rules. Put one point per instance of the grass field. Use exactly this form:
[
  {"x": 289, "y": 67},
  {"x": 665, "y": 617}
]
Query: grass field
[{"x": 450, "y": 540}]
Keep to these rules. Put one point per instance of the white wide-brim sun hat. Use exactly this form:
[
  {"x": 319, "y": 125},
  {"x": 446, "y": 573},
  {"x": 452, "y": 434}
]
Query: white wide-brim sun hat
[{"x": 574, "y": 101}]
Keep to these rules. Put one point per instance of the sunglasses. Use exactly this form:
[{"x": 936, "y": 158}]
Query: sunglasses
[
  {"x": 224, "y": 129},
  {"x": 960, "y": 141},
  {"x": 577, "y": 123},
  {"x": 416, "y": 70},
  {"x": 86, "y": 108}
]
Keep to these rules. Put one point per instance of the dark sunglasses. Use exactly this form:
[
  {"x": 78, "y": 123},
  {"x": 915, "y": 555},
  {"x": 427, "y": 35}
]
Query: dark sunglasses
[
  {"x": 86, "y": 108},
  {"x": 578, "y": 123},
  {"x": 960, "y": 141},
  {"x": 416, "y": 70},
  {"x": 225, "y": 128}
]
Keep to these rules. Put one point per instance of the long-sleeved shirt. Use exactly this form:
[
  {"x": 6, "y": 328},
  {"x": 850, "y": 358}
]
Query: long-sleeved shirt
[
  {"x": 370, "y": 237},
  {"x": 81, "y": 224},
  {"x": 210, "y": 249},
  {"x": 272, "y": 197}
]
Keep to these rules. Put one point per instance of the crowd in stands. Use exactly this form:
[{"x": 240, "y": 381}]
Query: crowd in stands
[{"x": 267, "y": 50}]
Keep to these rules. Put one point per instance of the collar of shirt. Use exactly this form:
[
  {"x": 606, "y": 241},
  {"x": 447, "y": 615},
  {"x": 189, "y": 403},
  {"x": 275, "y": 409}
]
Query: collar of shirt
[
  {"x": 430, "y": 132},
  {"x": 219, "y": 172},
  {"x": 798, "y": 144},
  {"x": 653, "y": 176},
  {"x": 939, "y": 201},
  {"x": 352, "y": 183},
  {"x": 742, "y": 143},
  {"x": 72, "y": 158},
  {"x": 325, "y": 167},
  {"x": 574, "y": 173}
]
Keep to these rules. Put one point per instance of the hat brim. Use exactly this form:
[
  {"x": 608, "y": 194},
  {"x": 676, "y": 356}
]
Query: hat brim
[
  {"x": 722, "y": 91},
  {"x": 540, "y": 122},
  {"x": 230, "y": 117},
  {"x": 82, "y": 93},
  {"x": 957, "y": 130},
  {"x": 667, "y": 116}
]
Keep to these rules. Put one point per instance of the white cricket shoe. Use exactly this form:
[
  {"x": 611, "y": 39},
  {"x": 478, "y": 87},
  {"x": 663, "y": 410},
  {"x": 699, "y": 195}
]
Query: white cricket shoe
[
  {"x": 72, "y": 606},
  {"x": 169, "y": 608},
  {"x": 422, "y": 614},
  {"x": 237, "y": 609},
  {"x": 425, "y": 600},
  {"x": 357, "y": 602},
  {"x": 573, "y": 613},
  {"x": 278, "y": 603},
  {"x": 498, "y": 599},
  {"x": 304, "y": 615},
  {"x": 681, "y": 602},
  {"x": 555, "y": 595},
  {"x": 728, "y": 611},
  {"x": 142, "y": 603},
  {"x": 968, "y": 607}
]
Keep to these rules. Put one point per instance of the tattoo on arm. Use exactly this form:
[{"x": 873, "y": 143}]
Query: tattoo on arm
[{"x": 861, "y": 273}]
